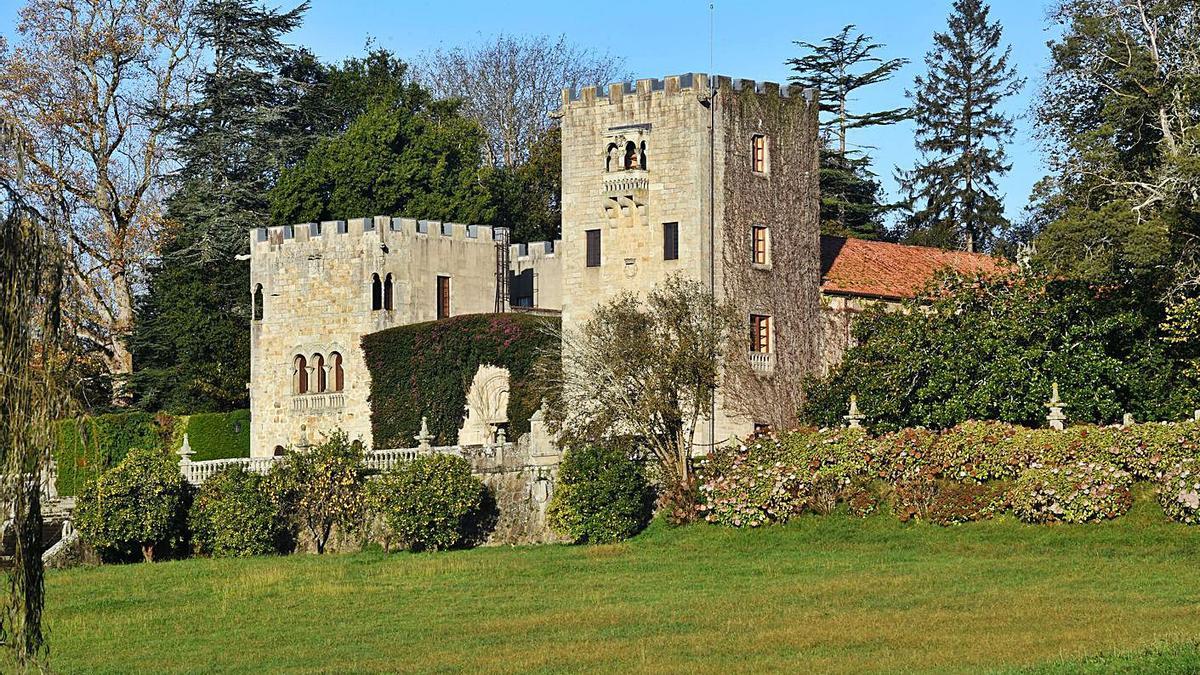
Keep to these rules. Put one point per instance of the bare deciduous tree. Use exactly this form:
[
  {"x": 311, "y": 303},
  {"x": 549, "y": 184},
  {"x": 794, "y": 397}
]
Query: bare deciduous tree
[
  {"x": 645, "y": 367},
  {"x": 511, "y": 84},
  {"x": 91, "y": 84}
]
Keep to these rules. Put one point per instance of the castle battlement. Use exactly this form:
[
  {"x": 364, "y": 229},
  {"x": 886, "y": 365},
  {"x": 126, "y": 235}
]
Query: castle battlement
[
  {"x": 698, "y": 84},
  {"x": 534, "y": 249},
  {"x": 383, "y": 226}
]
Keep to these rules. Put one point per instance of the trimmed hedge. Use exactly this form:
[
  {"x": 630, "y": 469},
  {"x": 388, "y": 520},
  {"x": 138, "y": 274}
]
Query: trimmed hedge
[
  {"x": 88, "y": 446},
  {"x": 1080, "y": 475},
  {"x": 426, "y": 369},
  {"x": 219, "y": 435}
]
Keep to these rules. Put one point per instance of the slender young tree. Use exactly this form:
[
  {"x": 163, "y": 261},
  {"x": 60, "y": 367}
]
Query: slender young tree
[
  {"x": 961, "y": 133},
  {"x": 838, "y": 67},
  {"x": 191, "y": 339}
]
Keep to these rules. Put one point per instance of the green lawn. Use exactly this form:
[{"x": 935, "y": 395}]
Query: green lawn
[{"x": 822, "y": 594}]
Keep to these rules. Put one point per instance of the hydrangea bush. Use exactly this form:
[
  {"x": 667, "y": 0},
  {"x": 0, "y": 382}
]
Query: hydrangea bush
[
  {"x": 1179, "y": 492},
  {"x": 929, "y": 475},
  {"x": 1082, "y": 492}
]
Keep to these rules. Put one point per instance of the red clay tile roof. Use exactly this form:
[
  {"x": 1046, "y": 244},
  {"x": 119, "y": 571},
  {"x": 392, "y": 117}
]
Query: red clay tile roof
[{"x": 878, "y": 269}]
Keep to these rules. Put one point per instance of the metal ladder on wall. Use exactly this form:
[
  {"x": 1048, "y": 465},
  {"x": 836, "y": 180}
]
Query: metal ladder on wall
[{"x": 502, "y": 299}]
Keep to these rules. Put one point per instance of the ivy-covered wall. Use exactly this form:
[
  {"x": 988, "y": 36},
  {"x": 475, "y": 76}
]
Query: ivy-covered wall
[
  {"x": 88, "y": 446},
  {"x": 426, "y": 368},
  {"x": 219, "y": 435}
]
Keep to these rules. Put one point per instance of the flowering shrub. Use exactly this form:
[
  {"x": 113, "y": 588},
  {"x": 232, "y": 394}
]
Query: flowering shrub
[
  {"x": 1179, "y": 492},
  {"x": 1082, "y": 492},
  {"x": 751, "y": 485},
  {"x": 1148, "y": 451},
  {"x": 963, "y": 502}
]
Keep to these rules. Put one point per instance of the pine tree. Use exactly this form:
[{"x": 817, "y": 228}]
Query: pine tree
[
  {"x": 961, "y": 133},
  {"x": 191, "y": 343},
  {"x": 851, "y": 196}
]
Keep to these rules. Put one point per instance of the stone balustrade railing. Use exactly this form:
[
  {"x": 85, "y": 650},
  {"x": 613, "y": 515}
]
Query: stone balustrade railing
[
  {"x": 763, "y": 362},
  {"x": 301, "y": 402},
  {"x": 378, "y": 460}
]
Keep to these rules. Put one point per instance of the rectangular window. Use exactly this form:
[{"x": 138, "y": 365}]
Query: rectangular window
[
  {"x": 670, "y": 241},
  {"x": 758, "y": 247},
  {"x": 593, "y": 248},
  {"x": 760, "y": 333},
  {"x": 443, "y": 297},
  {"x": 759, "y": 157}
]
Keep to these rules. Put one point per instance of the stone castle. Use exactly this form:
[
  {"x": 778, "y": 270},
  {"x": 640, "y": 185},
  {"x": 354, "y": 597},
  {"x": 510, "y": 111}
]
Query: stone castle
[{"x": 712, "y": 178}]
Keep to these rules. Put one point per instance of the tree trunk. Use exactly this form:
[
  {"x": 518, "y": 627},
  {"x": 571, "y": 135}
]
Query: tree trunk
[
  {"x": 121, "y": 362},
  {"x": 148, "y": 552}
]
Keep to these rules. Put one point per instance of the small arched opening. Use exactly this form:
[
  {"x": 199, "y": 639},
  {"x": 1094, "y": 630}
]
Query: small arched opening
[
  {"x": 300, "y": 375},
  {"x": 318, "y": 363},
  {"x": 258, "y": 302},
  {"x": 644, "y": 162},
  {"x": 631, "y": 156},
  {"x": 339, "y": 377},
  {"x": 387, "y": 293},
  {"x": 376, "y": 293},
  {"x": 280, "y": 451},
  {"x": 611, "y": 157}
]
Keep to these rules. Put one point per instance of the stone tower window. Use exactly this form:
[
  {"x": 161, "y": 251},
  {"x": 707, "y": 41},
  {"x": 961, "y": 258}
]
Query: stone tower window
[
  {"x": 443, "y": 297},
  {"x": 612, "y": 157},
  {"x": 643, "y": 155},
  {"x": 339, "y": 377},
  {"x": 387, "y": 293},
  {"x": 760, "y": 245},
  {"x": 593, "y": 248},
  {"x": 758, "y": 159},
  {"x": 318, "y": 362},
  {"x": 258, "y": 302},
  {"x": 376, "y": 293},
  {"x": 670, "y": 241},
  {"x": 299, "y": 375},
  {"x": 760, "y": 333},
  {"x": 632, "y": 159}
]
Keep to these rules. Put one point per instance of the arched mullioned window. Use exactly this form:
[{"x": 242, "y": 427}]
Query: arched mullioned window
[
  {"x": 387, "y": 293},
  {"x": 644, "y": 162},
  {"x": 376, "y": 293},
  {"x": 631, "y": 156},
  {"x": 318, "y": 362},
  {"x": 339, "y": 377},
  {"x": 258, "y": 302},
  {"x": 611, "y": 157},
  {"x": 300, "y": 375}
]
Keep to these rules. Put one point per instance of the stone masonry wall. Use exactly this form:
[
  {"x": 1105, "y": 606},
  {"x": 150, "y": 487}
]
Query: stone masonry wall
[{"x": 316, "y": 284}]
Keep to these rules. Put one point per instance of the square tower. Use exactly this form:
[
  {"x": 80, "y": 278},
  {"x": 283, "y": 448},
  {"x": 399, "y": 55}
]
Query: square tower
[{"x": 715, "y": 179}]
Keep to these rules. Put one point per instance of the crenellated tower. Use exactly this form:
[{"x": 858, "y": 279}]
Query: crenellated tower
[{"x": 716, "y": 179}]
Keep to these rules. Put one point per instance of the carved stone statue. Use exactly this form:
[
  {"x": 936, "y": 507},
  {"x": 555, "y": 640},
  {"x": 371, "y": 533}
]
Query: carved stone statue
[{"x": 487, "y": 406}]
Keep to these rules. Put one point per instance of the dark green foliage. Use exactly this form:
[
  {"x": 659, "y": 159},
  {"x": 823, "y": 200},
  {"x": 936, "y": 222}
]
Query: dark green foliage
[
  {"x": 991, "y": 349},
  {"x": 89, "y": 446},
  {"x": 961, "y": 134},
  {"x": 136, "y": 509},
  {"x": 401, "y": 157},
  {"x": 602, "y": 495},
  {"x": 191, "y": 338},
  {"x": 528, "y": 197},
  {"x": 425, "y": 369},
  {"x": 433, "y": 503},
  {"x": 839, "y": 66},
  {"x": 232, "y": 515},
  {"x": 219, "y": 435},
  {"x": 191, "y": 343}
]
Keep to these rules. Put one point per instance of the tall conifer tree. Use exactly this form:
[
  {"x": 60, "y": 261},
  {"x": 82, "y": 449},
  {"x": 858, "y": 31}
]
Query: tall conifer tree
[
  {"x": 960, "y": 133},
  {"x": 192, "y": 338},
  {"x": 838, "y": 66}
]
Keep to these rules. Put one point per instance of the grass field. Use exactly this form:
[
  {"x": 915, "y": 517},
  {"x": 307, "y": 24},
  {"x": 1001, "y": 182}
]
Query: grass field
[{"x": 820, "y": 594}]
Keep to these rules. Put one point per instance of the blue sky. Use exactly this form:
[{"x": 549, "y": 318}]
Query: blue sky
[{"x": 753, "y": 39}]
